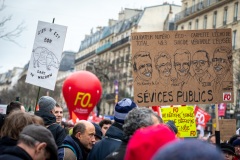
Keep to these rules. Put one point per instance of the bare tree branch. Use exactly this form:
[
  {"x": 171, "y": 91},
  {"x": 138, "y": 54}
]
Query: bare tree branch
[{"x": 10, "y": 35}]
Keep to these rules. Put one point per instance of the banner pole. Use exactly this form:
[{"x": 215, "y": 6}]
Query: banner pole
[
  {"x": 217, "y": 131},
  {"x": 39, "y": 88}
]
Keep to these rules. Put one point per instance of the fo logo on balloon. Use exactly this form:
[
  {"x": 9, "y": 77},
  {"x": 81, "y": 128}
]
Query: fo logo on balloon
[{"x": 82, "y": 91}]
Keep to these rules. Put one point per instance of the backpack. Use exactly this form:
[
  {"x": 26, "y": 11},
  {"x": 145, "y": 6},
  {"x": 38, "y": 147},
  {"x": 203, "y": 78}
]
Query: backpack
[{"x": 68, "y": 146}]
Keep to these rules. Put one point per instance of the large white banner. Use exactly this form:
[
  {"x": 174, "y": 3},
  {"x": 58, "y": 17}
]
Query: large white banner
[{"x": 46, "y": 55}]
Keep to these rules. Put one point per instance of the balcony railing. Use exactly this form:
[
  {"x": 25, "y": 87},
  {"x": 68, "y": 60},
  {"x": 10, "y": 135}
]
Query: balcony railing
[{"x": 195, "y": 8}]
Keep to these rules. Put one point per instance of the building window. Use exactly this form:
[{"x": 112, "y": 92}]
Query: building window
[
  {"x": 196, "y": 24},
  {"x": 235, "y": 12},
  {"x": 214, "y": 19},
  {"x": 205, "y": 22},
  {"x": 182, "y": 27},
  {"x": 234, "y": 39},
  {"x": 193, "y": 6},
  {"x": 225, "y": 16},
  {"x": 189, "y": 25}
]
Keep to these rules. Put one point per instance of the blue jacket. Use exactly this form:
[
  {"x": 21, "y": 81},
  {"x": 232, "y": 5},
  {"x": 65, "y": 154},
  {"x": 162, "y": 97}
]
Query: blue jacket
[{"x": 108, "y": 144}]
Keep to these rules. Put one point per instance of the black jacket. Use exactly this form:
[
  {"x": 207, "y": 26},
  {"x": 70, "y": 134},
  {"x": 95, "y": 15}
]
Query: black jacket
[
  {"x": 108, "y": 144},
  {"x": 6, "y": 142},
  {"x": 119, "y": 153},
  {"x": 50, "y": 122},
  {"x": 15, "y": 153}
]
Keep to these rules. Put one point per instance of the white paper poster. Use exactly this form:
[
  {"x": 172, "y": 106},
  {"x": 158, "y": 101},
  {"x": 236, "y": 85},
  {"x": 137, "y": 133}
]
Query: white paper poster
[{"x": 46, "y": 55}]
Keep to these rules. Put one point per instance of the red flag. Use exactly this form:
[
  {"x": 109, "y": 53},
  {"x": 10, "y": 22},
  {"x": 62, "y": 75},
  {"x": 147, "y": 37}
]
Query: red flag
[{"x": 202, "y": 117}]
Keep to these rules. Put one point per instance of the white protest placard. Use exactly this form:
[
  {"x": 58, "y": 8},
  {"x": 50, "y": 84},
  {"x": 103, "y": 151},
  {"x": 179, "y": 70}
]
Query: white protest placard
[{"x": 46, "y": 55}]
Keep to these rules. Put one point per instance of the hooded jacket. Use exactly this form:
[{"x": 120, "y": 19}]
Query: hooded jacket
[{"x": 50, "y": 122}]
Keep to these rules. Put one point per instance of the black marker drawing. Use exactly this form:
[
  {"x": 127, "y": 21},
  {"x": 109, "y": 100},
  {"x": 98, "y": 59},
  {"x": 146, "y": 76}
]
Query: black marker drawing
[
  {"x": 200, "y": 64},
  {"x": 221, "y": 62},
  {"x": 182, "y": 63},
  {"x": 43, "y": 56},
  {"x": 163, "y": 65},
  {"x": 142, "y": 65}
]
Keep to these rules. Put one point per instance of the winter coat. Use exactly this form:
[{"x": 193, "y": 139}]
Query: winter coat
[
  {"x": 119, "y": 153},
  {"x": 50, "y": 122},
  {"x": 15, "y": 153},
  {"x": 108, "y": 144},
  {"x": 6, "y": 142}
]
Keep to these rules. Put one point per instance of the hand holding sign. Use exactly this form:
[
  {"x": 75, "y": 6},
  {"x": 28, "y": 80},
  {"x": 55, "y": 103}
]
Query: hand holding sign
[{"x": 81, "y": 90}]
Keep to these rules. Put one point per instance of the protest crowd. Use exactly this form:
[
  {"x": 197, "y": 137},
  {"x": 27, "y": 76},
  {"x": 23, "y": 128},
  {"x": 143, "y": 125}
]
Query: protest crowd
[{"x": 136, "y": 133}]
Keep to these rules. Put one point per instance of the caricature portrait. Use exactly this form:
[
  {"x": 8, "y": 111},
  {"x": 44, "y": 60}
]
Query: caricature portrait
[
  {"x": 200, "y": 64},
  {"x": 182, "y": 63},
  {"x": 221, "y": 62},
  {"x": 163, "y": 65},
  {"x": 142, "y": 66}
]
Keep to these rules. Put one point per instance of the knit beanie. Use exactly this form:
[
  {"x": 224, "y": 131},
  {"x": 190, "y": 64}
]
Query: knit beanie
[
  {"x": 122, "y": 108},
  {"x": 46, "y": 103}
]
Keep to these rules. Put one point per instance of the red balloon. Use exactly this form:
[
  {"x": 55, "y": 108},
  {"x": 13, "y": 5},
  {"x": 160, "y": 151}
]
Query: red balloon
[{"x": 82, "y": 90}]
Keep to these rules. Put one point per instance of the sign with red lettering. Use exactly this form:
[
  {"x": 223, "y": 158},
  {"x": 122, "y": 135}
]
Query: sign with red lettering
[
  {"x": 183, "y": 118},
  {"x": 182, "y": 67}
]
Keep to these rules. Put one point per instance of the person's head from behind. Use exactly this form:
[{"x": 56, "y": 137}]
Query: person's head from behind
[
  {"x": 142, "y": 65},
  {"x": 13, "y": 106},
  {"x": 47, "y": 104},
  {"x": 189, "y": 149},
  {"x": 84, "y": 131},
  {"x": 122, "y": 108},
  {"x": 138, "y": 118},
  {"x": 38, "y": 141},
  {"x": 105, "y": 124},
  {"x": 98, "y": 132},
  {"x": 182, "y": 62},
  {"x": 58, "y": 112},
  {"x": 16, "y": 121},
  {"x": 212, "y": 139}
]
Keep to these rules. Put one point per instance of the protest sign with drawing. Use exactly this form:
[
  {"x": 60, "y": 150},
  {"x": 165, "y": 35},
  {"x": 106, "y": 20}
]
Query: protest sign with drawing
[
  {"x": 182, "y": 67},
  {"x": 46, "y": 55}
]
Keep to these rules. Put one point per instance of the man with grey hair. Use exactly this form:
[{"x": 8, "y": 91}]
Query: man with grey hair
[
  {"x": 35, "y": 142},
  {"x": 136, "y": 118}
]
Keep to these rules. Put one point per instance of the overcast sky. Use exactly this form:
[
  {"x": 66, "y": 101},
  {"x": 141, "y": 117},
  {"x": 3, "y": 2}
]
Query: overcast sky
[{"x": 78, "y": 15}]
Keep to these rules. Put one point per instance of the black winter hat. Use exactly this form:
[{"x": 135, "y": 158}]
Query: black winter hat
[{"x": 172, "y": 126}]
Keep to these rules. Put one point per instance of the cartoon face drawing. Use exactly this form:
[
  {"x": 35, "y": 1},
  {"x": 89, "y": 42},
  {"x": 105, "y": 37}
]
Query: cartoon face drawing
[
  {"x": 182, "y": 62},
  {"x": 220, "y": 61},
  {"x": 163, "y": 65},
  {"x": 142, "y": 65},
  {"x": 200, "y": 62}
]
